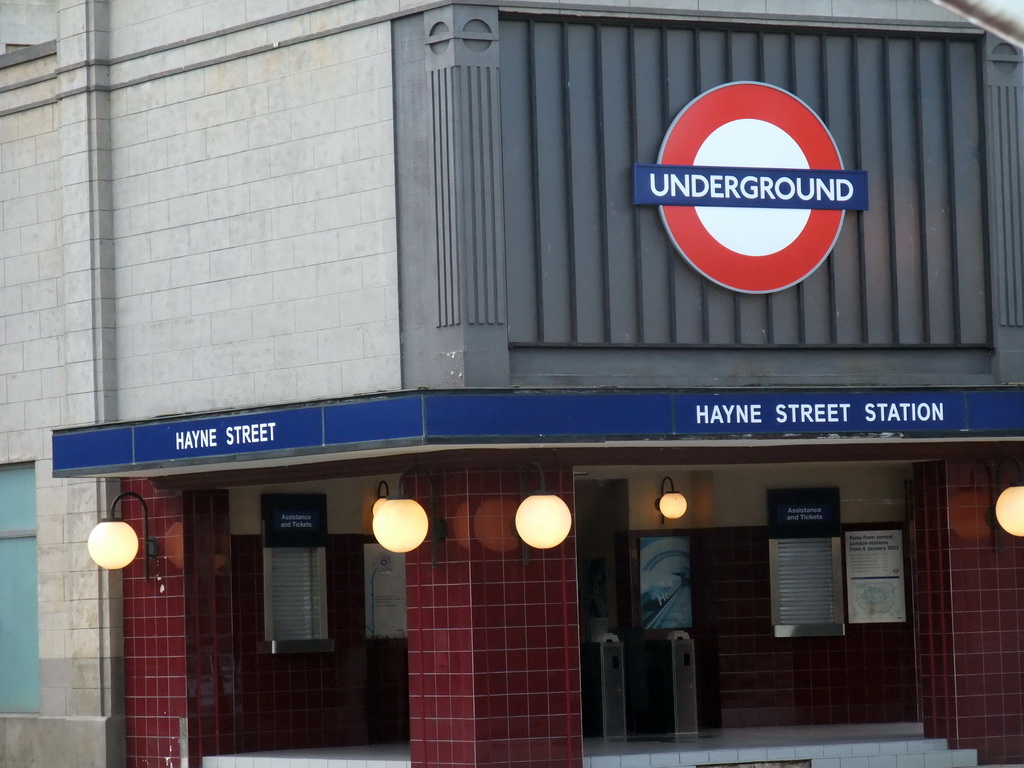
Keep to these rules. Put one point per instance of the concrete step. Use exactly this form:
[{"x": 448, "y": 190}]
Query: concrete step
[
  {"x": 869, "y": 746},
  {"x": 916, "y": 753}
]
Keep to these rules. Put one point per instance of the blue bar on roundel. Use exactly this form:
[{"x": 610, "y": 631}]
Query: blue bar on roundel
[{"x": 722, "y": 187}]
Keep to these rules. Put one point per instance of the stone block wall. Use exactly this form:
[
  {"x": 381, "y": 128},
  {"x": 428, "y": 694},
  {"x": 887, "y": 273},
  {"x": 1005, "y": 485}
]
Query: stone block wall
[
  {"x": 39, "y": 155},
  {"x": 31, "y": 319},
  {"x": 27, "y": 22},
  {"x": 253, "y": 227}
]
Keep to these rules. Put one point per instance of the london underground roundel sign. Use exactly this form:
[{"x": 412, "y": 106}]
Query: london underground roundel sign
[{"x": 751, "y": 187}]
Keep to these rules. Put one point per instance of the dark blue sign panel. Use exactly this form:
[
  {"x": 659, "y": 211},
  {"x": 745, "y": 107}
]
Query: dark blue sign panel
[
  {"x": 795, "y": 513},
  {"x": 547, "y": 415},
  {"x": 995, "y": 411},
  {"x": 373, "y": 421},
  {"x": 294, "y": 519},
  {"x": 838, "y": 412},
  {"x": 697, "y": 185},
  {"x": 252, "y": 433},
  {"x": 101, "y": 448}
]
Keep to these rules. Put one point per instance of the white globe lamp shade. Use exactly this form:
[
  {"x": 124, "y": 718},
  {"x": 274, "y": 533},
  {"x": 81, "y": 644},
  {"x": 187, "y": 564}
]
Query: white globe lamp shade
[
  {"x": 400, "y": 524},
  {"x": 672, "y": 505},
  {"x": 543, "y": 520},
  {"x": 1010, "y": 510},
  {"x": 377, "y": 504},
  {"x": 113, "y": 544}
]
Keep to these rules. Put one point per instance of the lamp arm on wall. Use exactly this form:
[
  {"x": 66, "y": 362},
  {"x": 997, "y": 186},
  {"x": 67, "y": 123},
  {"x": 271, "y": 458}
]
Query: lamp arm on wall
[
  {"x": 382, "y": 495},
  {"x": 150, "y": 542},
  {"x": 438, "y": 525}
]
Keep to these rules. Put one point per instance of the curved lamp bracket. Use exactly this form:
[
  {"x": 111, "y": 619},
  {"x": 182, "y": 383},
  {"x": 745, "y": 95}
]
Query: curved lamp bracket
[
  {"x": 438, "y": 526},
  {"x": 152, "y": 548},
  {"x": 674, "y": 501},
  {"x": 543, "y": 519}
]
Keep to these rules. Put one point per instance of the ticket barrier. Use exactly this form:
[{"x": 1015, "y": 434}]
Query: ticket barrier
[
  {"x": 604, "y": 688},
  {"x": 662, "y": 687},
  {"x": 684, "y": 686}
]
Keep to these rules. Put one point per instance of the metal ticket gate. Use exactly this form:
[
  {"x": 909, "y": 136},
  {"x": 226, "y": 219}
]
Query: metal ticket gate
[
  {"x": 684, "y": 686},
  {"x": 604, "y": 689}
]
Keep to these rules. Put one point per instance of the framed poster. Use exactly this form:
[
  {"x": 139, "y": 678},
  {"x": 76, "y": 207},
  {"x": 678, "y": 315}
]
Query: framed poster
[
  {"x": 875, "y": 577},
  {"x": 665, "y": 597}
]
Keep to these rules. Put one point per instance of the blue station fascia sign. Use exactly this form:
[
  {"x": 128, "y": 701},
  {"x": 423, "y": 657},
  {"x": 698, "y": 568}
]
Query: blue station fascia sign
[
  {"x": 491, "y": 417},
  {"x": 861, "y": 412}
]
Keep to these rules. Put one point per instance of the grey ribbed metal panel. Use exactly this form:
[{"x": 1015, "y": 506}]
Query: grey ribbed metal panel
[
  {"x": 450, "y": 209},
  {"x": 582, "y": 101},
  {"x": 468, "y": 192},
  {"x": 1007, "y": 211}
]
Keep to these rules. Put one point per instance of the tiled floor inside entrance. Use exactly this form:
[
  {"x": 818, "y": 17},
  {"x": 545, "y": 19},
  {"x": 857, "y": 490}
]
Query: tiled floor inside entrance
[{"x": 888, "y": 745}]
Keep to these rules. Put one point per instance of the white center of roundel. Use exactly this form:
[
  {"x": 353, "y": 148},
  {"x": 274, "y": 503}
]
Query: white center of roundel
[{"x": 752, "y": 144}]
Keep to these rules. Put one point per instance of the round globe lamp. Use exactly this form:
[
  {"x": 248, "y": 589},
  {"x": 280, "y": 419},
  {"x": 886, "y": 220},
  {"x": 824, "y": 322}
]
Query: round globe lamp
[
  {"x": 671, "y": 504},
  {"x": 113, "y": 544},
  {"x": 1010, "y": 510},
  {"x": 400, "y": 524},
  {"x": 543, "y": 520}
]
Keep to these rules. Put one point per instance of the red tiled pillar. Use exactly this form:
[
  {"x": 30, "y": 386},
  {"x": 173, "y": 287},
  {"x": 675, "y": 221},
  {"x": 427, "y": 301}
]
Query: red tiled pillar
[
  {"x": 494, "y": 674},
  {"x": 970, "y": 613},
  {"x": 154, "y": 637},
  {"x": 177, "y": 630},
  {"x": 208, "y": 615}
]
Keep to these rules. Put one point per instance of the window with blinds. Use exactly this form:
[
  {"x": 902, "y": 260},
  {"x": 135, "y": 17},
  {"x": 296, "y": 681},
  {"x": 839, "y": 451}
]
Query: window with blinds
[
  {"x": 807, "y": 590},
  {"x": 295, "y": 599}
]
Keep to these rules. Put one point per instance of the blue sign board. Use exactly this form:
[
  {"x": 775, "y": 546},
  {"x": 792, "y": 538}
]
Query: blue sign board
[
  {"x": 95, "y": 448},
  {"x": 542, "y": 415},
  {"x": 370, "y": 421},
  {"x": 454, "y": 418},
  {"x": 805, "y": 413},
  {"x": 229, "y": 435},
  {"x": 996, "y": 411},
  {"x": 749, "y": 187}
]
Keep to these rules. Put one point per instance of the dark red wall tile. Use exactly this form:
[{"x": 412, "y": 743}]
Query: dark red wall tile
[
  {"x": 487, "y": 628},
  {"x": 969, "y": 610},
  {"x": 192, "y": 647}
]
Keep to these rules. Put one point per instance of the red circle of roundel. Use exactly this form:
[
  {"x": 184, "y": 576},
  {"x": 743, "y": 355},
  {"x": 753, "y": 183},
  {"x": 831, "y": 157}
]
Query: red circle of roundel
[{"x": 692, "y": 126}]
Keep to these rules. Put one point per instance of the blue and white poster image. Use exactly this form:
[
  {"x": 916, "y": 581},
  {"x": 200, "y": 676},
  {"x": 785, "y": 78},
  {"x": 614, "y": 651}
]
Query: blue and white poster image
[{"x": 665, "y": 597}]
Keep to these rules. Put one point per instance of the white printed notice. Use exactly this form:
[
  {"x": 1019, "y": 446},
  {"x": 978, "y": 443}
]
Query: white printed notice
[
  {"x": 875, "y": 576},
  {"x": 384, "y": 587}
]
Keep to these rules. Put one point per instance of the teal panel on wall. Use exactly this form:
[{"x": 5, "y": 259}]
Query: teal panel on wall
[
  {"x": 19, "y": 595},
  {"x": 19, "y": 626},
  {"x": 18, "y": 499}
]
